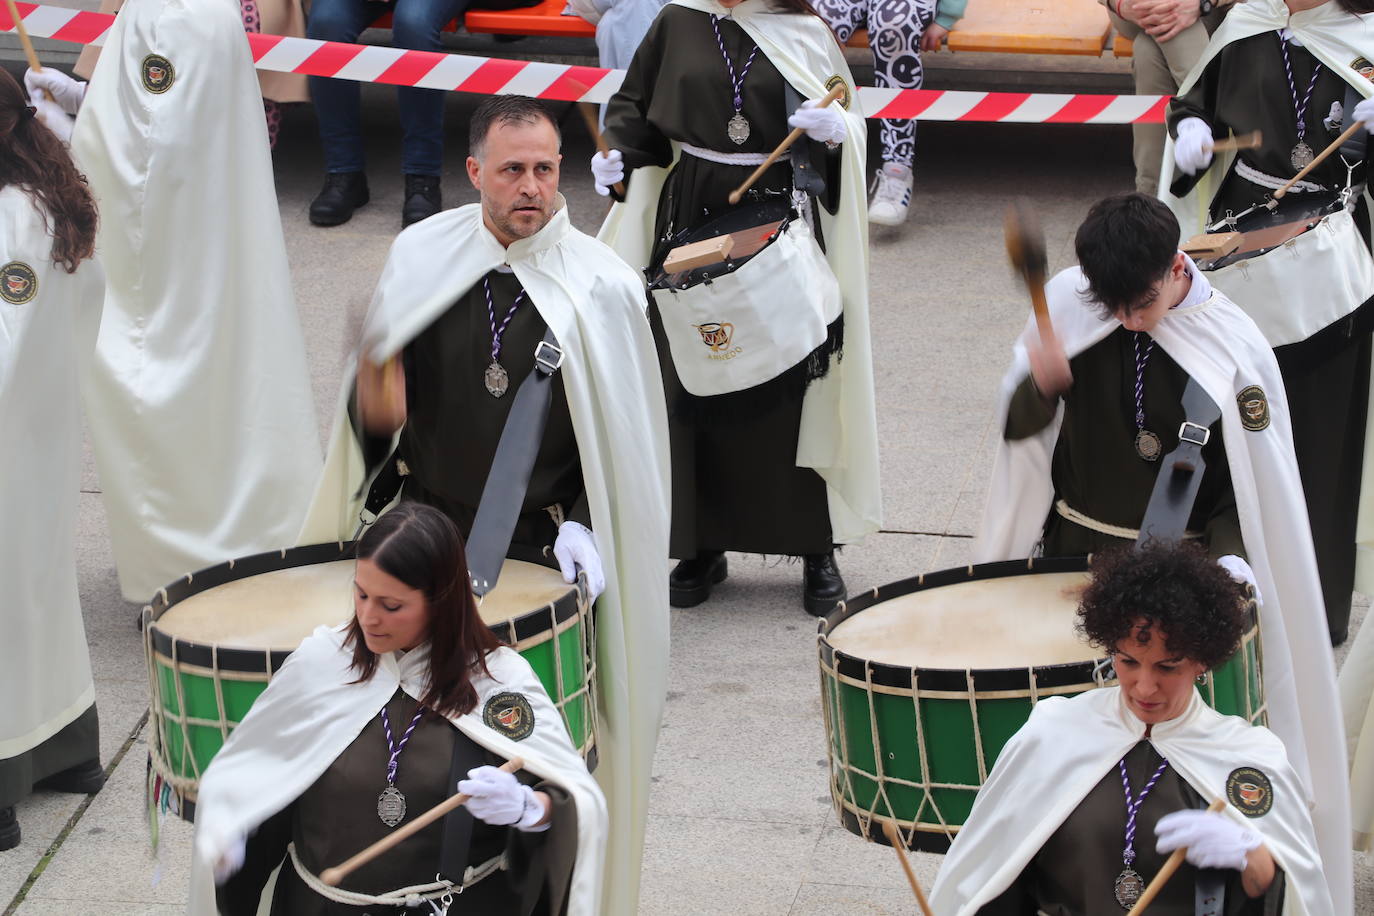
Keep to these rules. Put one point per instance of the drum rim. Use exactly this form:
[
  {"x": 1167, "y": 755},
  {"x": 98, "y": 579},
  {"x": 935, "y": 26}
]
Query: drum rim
[
  {"x": 955, "y": 680},
  {"x": 225, "y": 657}
]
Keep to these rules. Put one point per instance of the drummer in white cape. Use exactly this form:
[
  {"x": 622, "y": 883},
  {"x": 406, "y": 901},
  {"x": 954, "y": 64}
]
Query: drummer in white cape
[
  {"x": 1073, "y": 473},
  {"x": 199, "y": 402},
  {"x": 50, "y": 296},
  {"x": 1087, "y": 800},
  {"x": 463, "y": 300},
  {"x": 360, "y": 732}
]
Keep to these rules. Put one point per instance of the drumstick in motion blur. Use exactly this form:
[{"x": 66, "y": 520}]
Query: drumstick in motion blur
[
  {"x": 332, "y": 876},
  {"x": 1166, "y": 871},
  {"x": 1252, "y": 140},
  {"x": 783, "y": 147},
  {"x": 589, "y": 115},
  {"x": 1026, "y": 248},
  {"x": 1335, "y": 145},
  {"x": 895, "y": 839},
  {"x": 29, "y": 53}
]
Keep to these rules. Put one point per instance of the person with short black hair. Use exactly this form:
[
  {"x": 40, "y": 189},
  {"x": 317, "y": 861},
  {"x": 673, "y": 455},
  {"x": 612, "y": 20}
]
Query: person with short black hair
[
  {"x": 1049, "y": 832},
  {"x": 1087, "y": 416}
]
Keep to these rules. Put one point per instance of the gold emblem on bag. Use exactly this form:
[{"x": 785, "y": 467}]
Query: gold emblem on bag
[{"x": 716, "y": 335}]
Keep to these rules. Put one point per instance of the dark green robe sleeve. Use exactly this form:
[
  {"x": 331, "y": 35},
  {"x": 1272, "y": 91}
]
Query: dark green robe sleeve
[
  {"x": 1029, "y": 412},
  {"x": 265, "y": 850}
]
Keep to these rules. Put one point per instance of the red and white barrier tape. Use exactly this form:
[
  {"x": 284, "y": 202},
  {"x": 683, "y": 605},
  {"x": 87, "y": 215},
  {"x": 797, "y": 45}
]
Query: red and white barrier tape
[{"x": 496, "y": 76}]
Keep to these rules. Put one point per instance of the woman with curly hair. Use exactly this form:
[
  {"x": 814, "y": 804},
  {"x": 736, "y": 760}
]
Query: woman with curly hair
[
  {"x": 51, "y": 291},
  {"x": 1089, "y": 798}
]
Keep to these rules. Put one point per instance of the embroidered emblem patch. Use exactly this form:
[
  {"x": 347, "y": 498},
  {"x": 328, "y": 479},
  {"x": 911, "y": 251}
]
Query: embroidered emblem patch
[
  {"x": 158, "y": 74},
  {"x": 1254, "y": 408},
  {"x": 716, "y": 335},
  {"x": 845, "y": 97},
  {"x": 510, "y": 714},
  {"x": 18, "y": 283},
  {"x": 1250, "y": 791},
  {"x": 1363, "y": 67}
]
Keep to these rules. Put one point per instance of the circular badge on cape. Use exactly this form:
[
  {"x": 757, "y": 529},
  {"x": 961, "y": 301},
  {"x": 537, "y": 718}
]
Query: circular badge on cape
[
  {"x": 1254, "y": 408},
  {"x": 18, "y": 283},
  {"x": 158, "y": 74},
  {"x": 1250, "y": 791},
  {"x": 510, "y": 714},
  {"x": 845, "y": 97},
  {"x": 1363, "y": 67}
]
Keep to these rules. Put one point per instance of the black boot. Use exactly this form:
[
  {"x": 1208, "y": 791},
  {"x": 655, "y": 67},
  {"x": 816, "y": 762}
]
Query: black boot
[
  {"x": 422, "y": 199},
  {"x": 9, "y": 829},
  {"x": 83, "y": 779},
  {"x": 343, "y": 192},
  {"x": 823, "y": 586},
  {"x": 690, "y": 582}
]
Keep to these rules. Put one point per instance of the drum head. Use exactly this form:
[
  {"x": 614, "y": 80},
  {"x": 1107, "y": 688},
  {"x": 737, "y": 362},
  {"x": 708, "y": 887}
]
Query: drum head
[
  {"x": 1010, "y": 622},
  {"x": 522, "y": 588}
]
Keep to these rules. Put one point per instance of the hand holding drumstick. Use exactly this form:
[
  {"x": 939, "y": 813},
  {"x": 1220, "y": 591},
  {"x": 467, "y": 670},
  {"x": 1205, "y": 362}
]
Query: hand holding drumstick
[{"x": 1049, "y": 367}]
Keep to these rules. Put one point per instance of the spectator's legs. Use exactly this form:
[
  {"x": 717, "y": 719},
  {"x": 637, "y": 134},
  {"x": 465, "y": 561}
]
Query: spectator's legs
[
  {"x": 336, "y": 101},
  {"x": 416, "y": 25},
  {"x": 894, "y": 32}
]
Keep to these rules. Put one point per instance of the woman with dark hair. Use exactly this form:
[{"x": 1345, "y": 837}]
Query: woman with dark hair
[
  {"x": 373, "y": 722},
  {"x": 51, "y": 291},
  {"x": 1050, "y": 831},
  {"x": 789, "y": 465}
]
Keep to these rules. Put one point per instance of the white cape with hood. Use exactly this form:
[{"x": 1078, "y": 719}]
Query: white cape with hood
[
  {"x": 201, "y": 412},
  {"x": 1064, "y": 750},
  {"x": 48, "y": 320},
  {"x": 310, "y": 713},
  {"x": 839, "y": 426},
  {"x": 594, "y": 304},
  {"x": 1217, "y": 344}
]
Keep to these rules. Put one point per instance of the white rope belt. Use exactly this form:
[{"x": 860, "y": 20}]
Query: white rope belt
[
  {"x": 1265, "y": 180},
  {"x": 404, "y": 897},
  {"x": 711, "y": 155},
  {"x": 1083, "y": 521}
]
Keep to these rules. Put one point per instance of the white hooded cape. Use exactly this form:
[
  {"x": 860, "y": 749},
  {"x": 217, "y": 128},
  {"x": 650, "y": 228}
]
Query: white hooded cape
[
  {"x": 594, "y": 304},
  {"x": 1220, "y": 347},
  {"x": 47, "y": 334},
  {"x": 310, "y": 713},
  {"x": 1064, "y": 750},
  {"x": 200, "y": 405},
  {"x": 839, "y": 426}
]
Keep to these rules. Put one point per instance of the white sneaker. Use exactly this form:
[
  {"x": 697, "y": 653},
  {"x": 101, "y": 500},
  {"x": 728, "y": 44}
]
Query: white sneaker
[{"x": 891, "y": 195}]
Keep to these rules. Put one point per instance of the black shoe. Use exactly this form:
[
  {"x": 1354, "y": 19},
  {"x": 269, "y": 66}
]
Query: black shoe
[
  {"x": 343, "y": 192},
  {"x": 690, "y": 582},
  {"x": 9, "y": 829},
  {"x": 82, "y": 779},
  {"x": 422, "y": 199},
  {"x": 823, "y": 586}
]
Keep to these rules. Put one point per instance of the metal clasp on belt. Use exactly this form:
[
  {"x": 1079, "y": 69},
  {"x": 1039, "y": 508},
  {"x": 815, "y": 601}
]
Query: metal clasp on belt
[
  {"x": 1194, "y": 433},
  {"x": 547, "y": 357}
]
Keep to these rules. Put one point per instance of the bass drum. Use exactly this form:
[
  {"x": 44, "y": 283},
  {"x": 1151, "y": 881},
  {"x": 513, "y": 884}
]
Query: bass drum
[
  {"x": 214, "y": 639},
  {"x": 924, "y": 681}
]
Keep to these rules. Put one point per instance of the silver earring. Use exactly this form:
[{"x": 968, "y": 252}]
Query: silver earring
[{"x": 1202, "y": 678}]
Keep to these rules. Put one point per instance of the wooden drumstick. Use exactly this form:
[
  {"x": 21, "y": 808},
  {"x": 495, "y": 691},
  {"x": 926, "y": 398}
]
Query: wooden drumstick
[
  {"x": 1167, "y": 870},
  {"x": 589, "y": 115},
  {"x": 892, "y": 837},
  {"x": 29, "y": 54},
  {"x": 1252, "y": 140},
  {"x": 1026, "y": 248},
  {"x": 1335, "y": 145},
  {"x": 332, "y": 876},
  {"x": 783, "y": 147}
]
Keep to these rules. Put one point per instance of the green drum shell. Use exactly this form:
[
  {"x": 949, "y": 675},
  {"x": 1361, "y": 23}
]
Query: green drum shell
[
  {"x": 902, "y": 742},
  {"x": 217, "y": 684}
]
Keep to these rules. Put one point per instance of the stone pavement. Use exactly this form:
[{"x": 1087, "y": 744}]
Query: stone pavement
[{"x": 740, "y": 819}]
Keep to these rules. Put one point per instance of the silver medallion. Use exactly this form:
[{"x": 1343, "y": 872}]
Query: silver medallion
[
  {"x": 496, "y": 379},
  {"x": 738, "y": 128},
  {"x": 1128, "y": 887},
  {"x": 1302, "y": 156},
  {"x": 391, "y": 806},
  {"x": 1147, "y": 445}
]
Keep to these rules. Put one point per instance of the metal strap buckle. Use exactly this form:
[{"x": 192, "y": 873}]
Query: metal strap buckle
[
  {"x": 1194, "y": 433},
  {"x": 548, "y": 358}
]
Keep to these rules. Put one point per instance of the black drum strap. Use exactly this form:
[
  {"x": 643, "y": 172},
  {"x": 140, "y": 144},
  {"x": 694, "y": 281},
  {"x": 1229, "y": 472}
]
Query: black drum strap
[
  {"x": 1209, "y": 892},
  {"x": 453, "y": 854},
  {"x": 804, "y": 176},
  {"x": 509, "y": 477},
  {"x": 1180, "y": 472}
]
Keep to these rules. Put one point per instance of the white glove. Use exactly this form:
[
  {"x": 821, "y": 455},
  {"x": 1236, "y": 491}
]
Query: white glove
[
  {"x": 65, "y": 91},
  {"x": 1192, "y": 151},
  {"x": 499, "y": 799},
  {"x": 231, "y": 860},
  {"x": 1241, "y": 572},
  {"x": 574, "y": 547},
  {"x": 825, "y": 125},
  {"x": 1213, "y": 839},
  {"x": 1364, "y": 111},
  {"x": 51, "y": 115},
  {"x": 607, "y": 169}
]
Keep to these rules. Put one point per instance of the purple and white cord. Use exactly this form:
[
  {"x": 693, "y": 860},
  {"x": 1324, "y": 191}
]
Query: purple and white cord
[
  {"x": 498, "y": 333},
  {"x": 1140, "y": 378},
  {"x": 1133, "y": 806},
  {"x": 1299, "y": 106},
  {"x": 397, "y": 748},
  {"x": 736, "y": 82}
]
